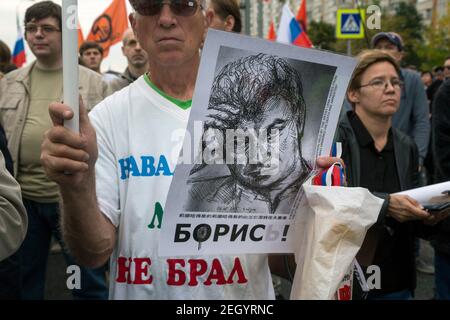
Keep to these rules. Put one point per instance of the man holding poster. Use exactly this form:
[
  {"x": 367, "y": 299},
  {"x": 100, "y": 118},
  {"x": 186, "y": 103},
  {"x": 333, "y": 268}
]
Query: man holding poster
[{"x": 121, "y": 170}]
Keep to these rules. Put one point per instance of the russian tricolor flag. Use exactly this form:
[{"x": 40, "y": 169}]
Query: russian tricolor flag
[
  {"x": 290, "y": 30},
  {"x": 19, "y": 57}
]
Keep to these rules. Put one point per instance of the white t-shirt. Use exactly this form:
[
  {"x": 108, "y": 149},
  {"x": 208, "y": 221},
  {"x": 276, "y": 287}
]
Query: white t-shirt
[{"x": 133, "y": 174}]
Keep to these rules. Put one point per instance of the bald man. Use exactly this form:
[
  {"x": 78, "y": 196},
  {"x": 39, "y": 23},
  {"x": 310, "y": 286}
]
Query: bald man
[{"x": 137, "y": 62}]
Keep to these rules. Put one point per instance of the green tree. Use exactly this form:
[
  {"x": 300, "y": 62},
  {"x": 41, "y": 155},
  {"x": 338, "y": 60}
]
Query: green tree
[
  {"x": 408, "y": 23},
  {"x": 322, "y": 35},
  {"x": 436, "y": 45}
]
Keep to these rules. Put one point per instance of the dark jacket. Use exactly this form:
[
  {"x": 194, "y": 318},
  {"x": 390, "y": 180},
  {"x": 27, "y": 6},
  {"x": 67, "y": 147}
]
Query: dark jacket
[
  {"x": 441, "y": 154},
  {"x": 407, "y": 161},
  {"x": 124, "y": 80}
]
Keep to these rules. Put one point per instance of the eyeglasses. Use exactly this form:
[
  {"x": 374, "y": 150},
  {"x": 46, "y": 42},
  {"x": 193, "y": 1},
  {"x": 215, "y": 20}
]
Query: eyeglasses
[
  {"x": 381, "y": 84},
  {"x": 184, "y": 8},
  {"x": 447, "y": 67},
  {"x": 45, "y": 29}
]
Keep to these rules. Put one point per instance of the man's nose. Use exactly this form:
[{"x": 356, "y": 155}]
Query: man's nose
[
  {"x": 166, "y": 16},
  {"x": 39, "y": 33}
]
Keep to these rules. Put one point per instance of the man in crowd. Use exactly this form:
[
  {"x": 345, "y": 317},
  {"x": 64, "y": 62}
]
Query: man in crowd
[
  {"x": 25, "y": 96},
  {"x": 427, "y": 78},
  {"x": 137, "y": 60},
  {"x": 439, "y": 77},
  {"x": 441, "y": 156},
  {"x": 91, "y": 56},
  {"x": 412, "y": 115},
  {"x": 447, "y": 68},
  {"x": 106, "y": 214}
]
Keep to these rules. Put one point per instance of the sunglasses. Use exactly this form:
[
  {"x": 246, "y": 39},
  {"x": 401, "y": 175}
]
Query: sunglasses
[{"x": 184, "y": 8}]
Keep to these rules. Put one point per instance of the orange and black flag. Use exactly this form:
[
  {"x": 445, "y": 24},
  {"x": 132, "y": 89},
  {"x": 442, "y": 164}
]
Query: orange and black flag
[{"x": 109, "y": 27}]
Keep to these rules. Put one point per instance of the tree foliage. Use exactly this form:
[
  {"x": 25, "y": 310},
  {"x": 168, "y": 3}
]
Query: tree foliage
[
  {"x": 436, "y": 46},
  {"x": 424, "y": 47},
  {"x": 322, "y": 35}
]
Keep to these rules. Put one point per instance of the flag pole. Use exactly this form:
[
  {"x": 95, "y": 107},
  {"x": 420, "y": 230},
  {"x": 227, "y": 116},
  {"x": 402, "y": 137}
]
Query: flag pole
[{"x": 70, "y": 60}]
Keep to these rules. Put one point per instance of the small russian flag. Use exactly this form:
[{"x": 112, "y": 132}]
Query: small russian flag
[
  {"x": 290, "y": 30},
  {"x": 19, "y": 57}
]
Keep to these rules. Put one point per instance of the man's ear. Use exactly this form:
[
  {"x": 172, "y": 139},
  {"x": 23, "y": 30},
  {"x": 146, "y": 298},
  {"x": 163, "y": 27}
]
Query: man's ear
[
  {"x": 209, "y": 16},
  {"x": 132, "y": 19},
  {"x": 229, "y": 23}
]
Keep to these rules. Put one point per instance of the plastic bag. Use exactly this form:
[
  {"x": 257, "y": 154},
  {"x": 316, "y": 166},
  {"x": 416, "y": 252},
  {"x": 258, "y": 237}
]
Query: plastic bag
[{"x": 330, "y": 233}]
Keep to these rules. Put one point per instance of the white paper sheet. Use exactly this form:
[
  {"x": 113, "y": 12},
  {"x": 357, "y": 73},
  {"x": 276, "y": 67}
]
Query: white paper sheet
[
  {"x": 436, "y": 193},
  {"x": 239, "y": 208}
]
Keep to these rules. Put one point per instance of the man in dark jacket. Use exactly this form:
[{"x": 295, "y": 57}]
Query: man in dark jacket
[{"x": 441, "y": 154}]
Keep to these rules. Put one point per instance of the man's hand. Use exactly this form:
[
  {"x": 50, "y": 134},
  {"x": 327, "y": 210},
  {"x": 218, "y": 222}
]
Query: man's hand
[
  {"x": 68, "y": 157},
  {"x": 326, "y": 162},
  {"x": 404, "y": 208}
]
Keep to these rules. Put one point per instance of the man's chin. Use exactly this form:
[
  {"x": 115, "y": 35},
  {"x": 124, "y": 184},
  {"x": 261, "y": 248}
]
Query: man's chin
[
  {"x": 138, "y": 63},
  {"x": 41, "y": 53}
]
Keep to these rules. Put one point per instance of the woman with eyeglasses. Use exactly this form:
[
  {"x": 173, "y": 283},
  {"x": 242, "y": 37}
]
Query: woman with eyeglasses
[{"x": 385, "y": 161}]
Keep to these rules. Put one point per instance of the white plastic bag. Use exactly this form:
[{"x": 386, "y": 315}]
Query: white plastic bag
[{"x": 330, "y": 233}]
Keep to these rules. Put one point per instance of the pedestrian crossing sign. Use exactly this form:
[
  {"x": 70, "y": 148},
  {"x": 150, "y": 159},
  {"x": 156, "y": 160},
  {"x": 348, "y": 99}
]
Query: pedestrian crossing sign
[{"x": 350, "y": 24}]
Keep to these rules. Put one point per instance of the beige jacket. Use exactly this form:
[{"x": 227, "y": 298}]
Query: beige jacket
[
  {"x": 15, "y": 101},
  {"x": 13, "y": 216}
]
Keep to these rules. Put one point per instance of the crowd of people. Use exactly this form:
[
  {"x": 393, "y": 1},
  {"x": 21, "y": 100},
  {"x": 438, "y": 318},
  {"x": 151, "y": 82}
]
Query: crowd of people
[{"x": 394, "y": 129}]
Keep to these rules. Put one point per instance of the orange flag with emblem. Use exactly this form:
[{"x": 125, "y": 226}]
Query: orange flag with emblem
[{"x": 109, "y": 27}]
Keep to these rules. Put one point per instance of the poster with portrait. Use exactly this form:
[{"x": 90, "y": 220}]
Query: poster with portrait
[{"x": 262, "y": 112}]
